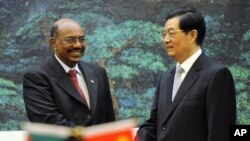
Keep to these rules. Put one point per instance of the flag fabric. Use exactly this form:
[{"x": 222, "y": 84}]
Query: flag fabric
[
  {"x": 40, "y": 137},
  {"x": 46, "y": 132},
  {"x": 114, "y": 131},
  {"x": 122, "y": 135}
]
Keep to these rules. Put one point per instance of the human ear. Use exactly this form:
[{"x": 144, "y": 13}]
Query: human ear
[
  {"x": 52, "y": 42},
  {"x": 193, "y": 35}
]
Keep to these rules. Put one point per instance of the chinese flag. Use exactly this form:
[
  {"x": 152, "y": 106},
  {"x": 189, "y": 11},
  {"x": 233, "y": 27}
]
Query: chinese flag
[
  {"x": 120, "y": 135},
  {"x": 115, "y": 131}
]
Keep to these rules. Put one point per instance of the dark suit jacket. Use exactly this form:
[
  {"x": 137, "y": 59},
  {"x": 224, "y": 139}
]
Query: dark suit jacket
[
  {"x": 50, "y": 95},
  {"x": 202, "y": 110}
]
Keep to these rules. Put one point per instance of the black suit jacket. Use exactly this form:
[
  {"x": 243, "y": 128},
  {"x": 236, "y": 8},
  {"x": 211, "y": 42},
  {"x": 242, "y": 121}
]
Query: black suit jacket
[
  {"x": 203, "y": 109},
  {"x": 50, "y": 95}
]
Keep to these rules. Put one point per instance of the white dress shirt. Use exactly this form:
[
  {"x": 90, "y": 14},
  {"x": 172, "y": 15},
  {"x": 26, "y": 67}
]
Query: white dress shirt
[
  {"x": 187, "y": 64},
  {"x": 80, "y": 78}
]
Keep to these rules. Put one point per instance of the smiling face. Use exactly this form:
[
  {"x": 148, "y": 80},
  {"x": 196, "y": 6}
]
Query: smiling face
[
  {"x": 69, "y": 43},
  {"x": 179, "y": 44}
]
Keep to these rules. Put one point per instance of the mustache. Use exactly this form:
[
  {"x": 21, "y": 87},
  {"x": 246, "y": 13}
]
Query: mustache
[{"x": 76, "y": 49}]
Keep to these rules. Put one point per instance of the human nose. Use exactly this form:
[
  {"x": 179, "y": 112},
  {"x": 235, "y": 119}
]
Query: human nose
[
  {"x": 166, "y": 38},
  {"x": 78, "y": 44}
]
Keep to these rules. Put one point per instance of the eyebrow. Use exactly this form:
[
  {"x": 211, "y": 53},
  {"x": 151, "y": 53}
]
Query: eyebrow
[
  {"x": 171, "y": 28},
  {"x": 75, "y": 36}
]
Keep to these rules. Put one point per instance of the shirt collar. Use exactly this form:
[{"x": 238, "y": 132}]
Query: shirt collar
[
  {"x": 187, "y": 64},
  {"x": 66, "y": 67}
]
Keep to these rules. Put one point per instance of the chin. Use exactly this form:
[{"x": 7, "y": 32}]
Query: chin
[
  {"x": 171, "y": 54},
  {"x": 75, "y": 60}
]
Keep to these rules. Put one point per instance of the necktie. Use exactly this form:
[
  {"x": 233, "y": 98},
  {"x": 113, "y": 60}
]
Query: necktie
[
  {"x": 73, "y": 77},
  {"x": 177, "y": 81}
]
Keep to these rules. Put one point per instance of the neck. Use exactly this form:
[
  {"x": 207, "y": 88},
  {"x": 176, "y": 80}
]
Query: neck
[{"x": 182, "y": 59}]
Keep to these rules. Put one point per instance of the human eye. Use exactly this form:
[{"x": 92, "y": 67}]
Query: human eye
[
  {"x": 163, "y": 33},
  {"x": 82, "y": 39},
  {"x": 70, "y": 40},
  {"x": 171, "y": 32}
]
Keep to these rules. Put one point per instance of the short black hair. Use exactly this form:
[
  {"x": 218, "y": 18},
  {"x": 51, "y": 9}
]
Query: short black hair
[
  {"x": 190, "y": 18},
  {"x": 54, "y": 30}
]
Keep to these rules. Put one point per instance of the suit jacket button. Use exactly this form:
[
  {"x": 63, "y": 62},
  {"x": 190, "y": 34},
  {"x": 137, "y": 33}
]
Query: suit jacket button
[
  {"x": 163, "y": 128},
  {"x": 88, "y": 116}
]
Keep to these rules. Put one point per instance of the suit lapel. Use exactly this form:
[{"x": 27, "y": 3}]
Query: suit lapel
[
  {"x": 190, "y": 79},
  {"x": 187, "y": 84},
  {"x": 62, "y": 79},
  {"x": 92, "y": 84},
  {"x": 65, "y": 83}
]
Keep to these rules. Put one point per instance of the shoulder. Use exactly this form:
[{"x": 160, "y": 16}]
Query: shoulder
[
  {"x": 91, "y": 66},
  {"x": 35, "y": 75},
  {"x": 43, "y": 68},
  {"x": 207, "y": 64},
  {"x": 214, "y": 69},
  {"x": 213, "y": 65}
]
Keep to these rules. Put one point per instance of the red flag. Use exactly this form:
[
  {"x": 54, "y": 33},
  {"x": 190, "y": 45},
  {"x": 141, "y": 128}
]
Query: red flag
[
  {"x": 121, "y": 135},
  {"x": 114, "y": 131},
  {"x": 29, "y": 138}
]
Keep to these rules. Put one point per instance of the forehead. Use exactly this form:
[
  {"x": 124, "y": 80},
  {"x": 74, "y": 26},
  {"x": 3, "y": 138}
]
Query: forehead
[
  {"x": 70, "y": 29},
  {"x": 172, "y": 23}
]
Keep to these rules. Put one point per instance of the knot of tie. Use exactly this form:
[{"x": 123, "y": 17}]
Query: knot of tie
[
  {"x": 179, "y": 70},
  {"x": 73, "y": 73}
]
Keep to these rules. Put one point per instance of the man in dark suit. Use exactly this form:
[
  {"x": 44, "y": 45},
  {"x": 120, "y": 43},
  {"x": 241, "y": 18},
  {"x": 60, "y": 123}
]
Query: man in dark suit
[
  {"x": 54, "y": 96},
  {"x": 203, "y": 107}
]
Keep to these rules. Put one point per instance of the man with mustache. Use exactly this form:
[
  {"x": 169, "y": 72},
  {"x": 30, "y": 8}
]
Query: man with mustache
[{"x": 64, "y": 90}]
